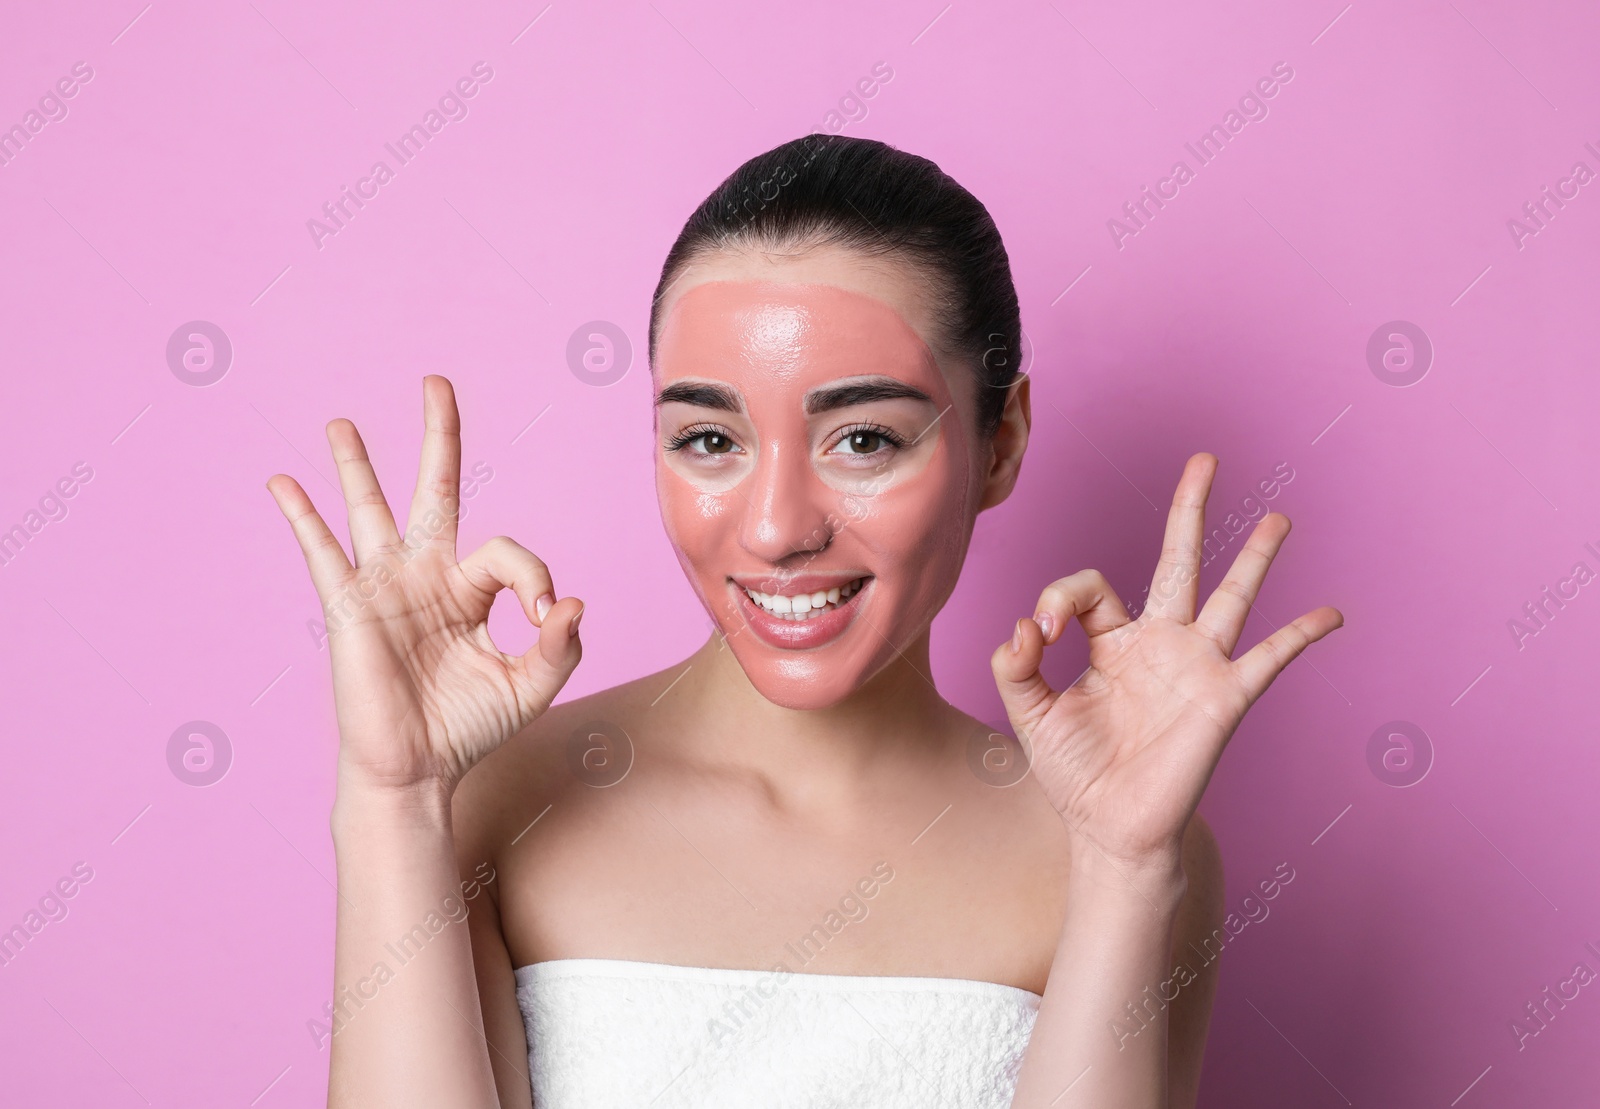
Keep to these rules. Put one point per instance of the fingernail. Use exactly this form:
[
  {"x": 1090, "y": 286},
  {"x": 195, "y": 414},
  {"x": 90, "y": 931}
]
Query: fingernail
[
  {"x": 542, "y": 605},
  {"x": 572, "y": 628},
  {"x": 1016, "y": 638},
  {"x": 1045, "y": 622}
]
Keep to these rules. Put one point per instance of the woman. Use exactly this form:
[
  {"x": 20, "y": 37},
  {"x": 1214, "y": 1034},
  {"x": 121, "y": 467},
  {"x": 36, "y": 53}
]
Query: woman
[{"x": 785, "y": 872}]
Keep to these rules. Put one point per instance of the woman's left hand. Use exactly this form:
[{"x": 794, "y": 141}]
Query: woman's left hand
[{"x": 1125, "y": 752}]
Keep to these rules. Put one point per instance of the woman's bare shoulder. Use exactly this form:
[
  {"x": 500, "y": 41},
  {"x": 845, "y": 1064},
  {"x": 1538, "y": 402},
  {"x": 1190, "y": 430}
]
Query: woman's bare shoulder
[{"x": 565, "y": 753}]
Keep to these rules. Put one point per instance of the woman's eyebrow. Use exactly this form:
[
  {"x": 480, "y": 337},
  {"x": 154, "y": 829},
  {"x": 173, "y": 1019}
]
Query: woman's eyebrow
[
  {"x": 861, "y": 392},
  {"x": 702, "y": 395}
]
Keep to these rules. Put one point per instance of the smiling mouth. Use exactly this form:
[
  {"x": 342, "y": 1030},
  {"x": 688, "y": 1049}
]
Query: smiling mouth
[{"x": 801, "y": 607}]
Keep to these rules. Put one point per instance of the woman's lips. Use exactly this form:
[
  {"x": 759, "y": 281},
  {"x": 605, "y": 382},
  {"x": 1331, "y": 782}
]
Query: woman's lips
[{"x": 813, "y": 630}]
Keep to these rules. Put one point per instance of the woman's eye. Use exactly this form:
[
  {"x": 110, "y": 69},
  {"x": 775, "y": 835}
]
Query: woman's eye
[
  {"x": 703, "y": 441},
  {"x": 864, "y": 441},
  {"x": 713, "y": 443}
]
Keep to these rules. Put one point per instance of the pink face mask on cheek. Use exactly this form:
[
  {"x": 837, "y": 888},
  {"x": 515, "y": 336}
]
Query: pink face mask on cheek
[{"x": 779, "y": 513}]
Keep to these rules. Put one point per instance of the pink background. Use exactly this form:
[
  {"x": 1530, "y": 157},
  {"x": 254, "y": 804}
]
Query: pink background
[{"x": 1378, "y": 187}]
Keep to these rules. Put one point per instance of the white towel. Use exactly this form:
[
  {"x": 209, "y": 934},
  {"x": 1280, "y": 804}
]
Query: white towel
[{"x": 619, "y": 1034}]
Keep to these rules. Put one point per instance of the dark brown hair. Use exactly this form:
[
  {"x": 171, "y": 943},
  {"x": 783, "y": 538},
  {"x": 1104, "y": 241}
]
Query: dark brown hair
[{"x": 866, "y": 195}]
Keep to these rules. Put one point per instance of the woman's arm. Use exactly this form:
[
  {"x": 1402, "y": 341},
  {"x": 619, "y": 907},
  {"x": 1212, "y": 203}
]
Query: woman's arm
[
  {"x": 480, "y": 821},
  {"x": 1199, "y": 922},
  {"x": 504, "y": 1031},
  {"x": 1131, "y": 1040},
  {"x": 1124, "y": 755},
  {"x": 1093, "y": 1043},
  {"x": 422, "y": 695},
  {"x": 418, "y": 1038}
]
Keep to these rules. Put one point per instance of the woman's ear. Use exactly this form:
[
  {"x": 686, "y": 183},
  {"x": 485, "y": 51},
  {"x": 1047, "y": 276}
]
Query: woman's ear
[{"x": 1009, "y": 445}]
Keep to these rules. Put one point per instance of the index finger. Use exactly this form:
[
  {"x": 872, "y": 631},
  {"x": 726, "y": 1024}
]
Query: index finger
[
  {"x": 1260, "y": 665},
  {"x": 1176, "y": 584},
  {"x": 325, "y": 558},
  {"x": 436, "y": 502}
]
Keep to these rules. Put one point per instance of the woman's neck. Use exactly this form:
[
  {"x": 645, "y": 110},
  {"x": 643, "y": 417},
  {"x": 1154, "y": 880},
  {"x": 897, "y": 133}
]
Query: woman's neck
[{"x": 896, "y": 718}]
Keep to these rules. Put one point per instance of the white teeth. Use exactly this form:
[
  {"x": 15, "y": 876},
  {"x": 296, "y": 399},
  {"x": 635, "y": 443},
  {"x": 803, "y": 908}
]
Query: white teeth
[{"x": 804, "y": 606}]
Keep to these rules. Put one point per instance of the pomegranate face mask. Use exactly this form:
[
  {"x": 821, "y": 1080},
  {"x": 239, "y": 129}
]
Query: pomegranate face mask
[{"x": 814, "y": 476}]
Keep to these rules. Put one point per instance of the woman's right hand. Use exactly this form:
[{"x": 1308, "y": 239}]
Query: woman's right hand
[{"x": 422, "y": 692}]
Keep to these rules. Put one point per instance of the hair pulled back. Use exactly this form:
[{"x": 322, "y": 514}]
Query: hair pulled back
[{"x": 867, "y": 196}]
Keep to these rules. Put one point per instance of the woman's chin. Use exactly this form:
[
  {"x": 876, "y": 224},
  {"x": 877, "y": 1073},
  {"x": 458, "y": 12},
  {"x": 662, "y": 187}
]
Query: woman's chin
[
  {"x": 810, "y": 665},
  {"x": 801, "y": 696},
  {"x": 803, "y": 684}
]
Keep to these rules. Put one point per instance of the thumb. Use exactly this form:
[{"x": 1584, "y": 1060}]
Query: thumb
[
  {"x": 503, "y": 563},
  {"x": 550, "y": 662},
  {"x": 1023, "y": 690}
]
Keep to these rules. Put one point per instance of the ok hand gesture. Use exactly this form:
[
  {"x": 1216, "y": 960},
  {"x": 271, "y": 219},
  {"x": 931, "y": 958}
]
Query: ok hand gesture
[
  {"x": 421, "y": 690},
  {"x": 1125, "y": 753}
]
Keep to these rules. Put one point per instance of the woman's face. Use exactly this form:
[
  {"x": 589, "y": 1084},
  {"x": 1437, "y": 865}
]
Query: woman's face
[{"x": 816, "y": 464}]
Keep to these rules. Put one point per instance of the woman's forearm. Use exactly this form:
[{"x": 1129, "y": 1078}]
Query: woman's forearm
[
  {"x": 408, "y": 1030},
  {"x": 1100, "y": 1038}
]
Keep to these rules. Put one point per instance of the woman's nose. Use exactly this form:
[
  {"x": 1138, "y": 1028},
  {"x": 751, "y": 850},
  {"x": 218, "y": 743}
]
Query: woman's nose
[{"x": 787, "y": 511}]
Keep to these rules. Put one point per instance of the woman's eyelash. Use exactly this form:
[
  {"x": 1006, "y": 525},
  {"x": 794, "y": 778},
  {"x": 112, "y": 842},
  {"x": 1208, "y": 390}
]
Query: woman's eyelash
[
  {"x": 887, "y": 434},
  {"x": 697, "y": 431}
]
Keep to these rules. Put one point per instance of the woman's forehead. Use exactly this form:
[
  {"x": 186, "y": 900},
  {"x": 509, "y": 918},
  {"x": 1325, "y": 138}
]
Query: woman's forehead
[
  {"x": 893, "y": 279},
  {"x": 757, "y": 333}
]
